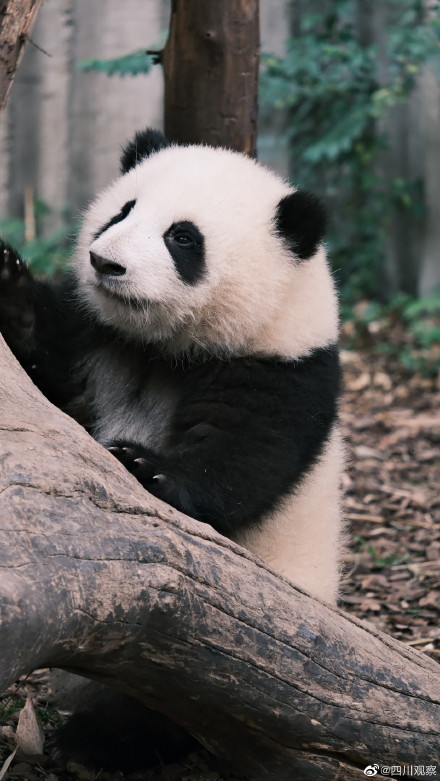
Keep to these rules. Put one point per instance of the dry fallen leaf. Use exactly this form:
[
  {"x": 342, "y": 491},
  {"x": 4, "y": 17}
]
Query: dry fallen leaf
[
  {"x": 7, "y": 763},
  {"x": 29, "y": 734}
]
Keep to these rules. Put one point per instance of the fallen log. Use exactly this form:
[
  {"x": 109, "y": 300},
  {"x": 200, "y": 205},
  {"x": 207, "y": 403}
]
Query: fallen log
[{"x": 102, "y": 579}]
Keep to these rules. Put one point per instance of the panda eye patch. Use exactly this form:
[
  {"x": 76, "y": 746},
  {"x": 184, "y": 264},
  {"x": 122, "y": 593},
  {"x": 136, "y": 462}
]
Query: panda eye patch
[
  {"x": 121, "y": 215},
  {"x": 186, "y": 245}
]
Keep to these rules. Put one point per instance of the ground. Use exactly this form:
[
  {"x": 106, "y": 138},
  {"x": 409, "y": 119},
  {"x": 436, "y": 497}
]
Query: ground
[
  {"x": 392, "y": 425},
  {"x": 391, "y": 422}
]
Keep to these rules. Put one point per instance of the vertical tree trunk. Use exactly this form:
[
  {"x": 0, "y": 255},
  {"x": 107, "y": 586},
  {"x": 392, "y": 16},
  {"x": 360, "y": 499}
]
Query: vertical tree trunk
[
  {"x": 211, "y": 73},
  {"x": 16, "y": 20}
]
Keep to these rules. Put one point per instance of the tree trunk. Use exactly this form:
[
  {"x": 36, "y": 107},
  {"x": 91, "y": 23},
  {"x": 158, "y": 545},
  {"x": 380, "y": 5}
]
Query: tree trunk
[
  {"x": 16, "y": 20},
  {"x": 100, "y": 578},
  {"x": 211, "y": 73}
]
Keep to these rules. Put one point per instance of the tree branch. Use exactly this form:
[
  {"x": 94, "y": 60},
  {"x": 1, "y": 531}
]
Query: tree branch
[
  {"x": 16, "y": 20},
  {"x": 100, "y": 578}
]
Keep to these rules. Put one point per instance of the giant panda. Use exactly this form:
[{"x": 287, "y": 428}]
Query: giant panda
[{"x": 196, "y": 339}]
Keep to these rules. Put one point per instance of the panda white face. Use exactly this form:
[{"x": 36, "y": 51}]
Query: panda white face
[{"x": 187, "y": 249}]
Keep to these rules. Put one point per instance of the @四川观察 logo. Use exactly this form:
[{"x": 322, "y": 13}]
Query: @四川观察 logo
[{"x": 371, "y": 770}]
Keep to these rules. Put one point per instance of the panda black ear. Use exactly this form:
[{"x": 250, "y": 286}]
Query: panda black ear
[
  {"x": 143, "y": 145},
  {"x": 301, "y": 220}
]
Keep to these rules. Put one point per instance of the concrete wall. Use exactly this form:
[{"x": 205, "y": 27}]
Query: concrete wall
[
  {"x": 413, "y": 247},
  {"x": 63, "y": 128},
  {"x": 430, "y": 258}
]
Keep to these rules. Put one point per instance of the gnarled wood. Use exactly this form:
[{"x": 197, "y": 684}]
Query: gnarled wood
[
  {"x": 211, "y": 73},
  {"x": 16, "y": 20},
  {"x": 102, "y": 579}
]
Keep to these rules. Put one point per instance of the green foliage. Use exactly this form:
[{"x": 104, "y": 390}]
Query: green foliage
[
  {"x": 378, "y": 561},
  {"x": 335, "y": 88},
  {"x": 46, "y": 254},
  {"x": 47, "y": 715},
  {"x": 387, "y": 561},
  {"x": 423, "y": 318},
  {"x": 11, "y": 706},
  {"x": 406, "y": 329},
  {"x": 128, "y": 65}
]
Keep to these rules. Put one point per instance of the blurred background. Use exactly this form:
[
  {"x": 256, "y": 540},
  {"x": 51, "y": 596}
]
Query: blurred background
[{"x": 349, "y": 108}]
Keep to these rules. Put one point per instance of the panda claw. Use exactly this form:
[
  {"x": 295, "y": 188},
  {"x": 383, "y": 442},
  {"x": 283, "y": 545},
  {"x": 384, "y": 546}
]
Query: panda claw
[
  {"x": 113, "y": 450},
  {"x": 12, "y": 268}
]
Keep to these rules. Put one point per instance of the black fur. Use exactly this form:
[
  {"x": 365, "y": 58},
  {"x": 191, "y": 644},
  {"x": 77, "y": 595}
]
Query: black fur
[
  {"x": 244, "y": 434},
  {"x": 301, "y": 220},
  {"x": 125, "y": 211},
  {"x": 144, "y": 144},
  {"x": 116, "y": 731},
  {"x": 16, "y": 294},
  {"x": 186, "y": 246},
  {"x": 48, "y": 332}
]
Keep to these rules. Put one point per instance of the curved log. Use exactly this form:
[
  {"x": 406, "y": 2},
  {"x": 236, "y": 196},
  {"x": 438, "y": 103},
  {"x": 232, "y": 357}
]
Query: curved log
[{"x": 100, "y": 578}]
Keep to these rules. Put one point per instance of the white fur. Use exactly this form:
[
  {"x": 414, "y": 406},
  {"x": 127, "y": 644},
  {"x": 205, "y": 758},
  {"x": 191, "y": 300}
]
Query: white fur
[
  {"x": 255, "y": 298},
  {"x": 302, "y": 539}
]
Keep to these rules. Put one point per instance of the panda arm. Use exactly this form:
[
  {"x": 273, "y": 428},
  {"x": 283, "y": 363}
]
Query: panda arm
[
  {"x": 43, "y": 326},
  {"x": 245, "y": 434}
]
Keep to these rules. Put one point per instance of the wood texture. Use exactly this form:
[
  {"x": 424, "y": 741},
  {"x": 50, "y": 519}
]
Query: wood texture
[
  {"x": 211, "y": 73},
  {"x": 100, "y": 578},
  {"x": 16, "y": 20}
]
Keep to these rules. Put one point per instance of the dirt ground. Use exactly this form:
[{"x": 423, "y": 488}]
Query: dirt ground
[
  {"x": 392, "y": 427},
  {"x": 391, "y": 421}
]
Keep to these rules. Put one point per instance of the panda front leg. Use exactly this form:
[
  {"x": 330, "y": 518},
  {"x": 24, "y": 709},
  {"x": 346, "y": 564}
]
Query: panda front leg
[
  {"x": 17, "y": 310},
  {"x": 204, "y": 475},
  {"x": 45, "y": 329}
]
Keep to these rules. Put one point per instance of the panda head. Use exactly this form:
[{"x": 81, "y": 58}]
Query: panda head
[{"x": 202, "y": 249}]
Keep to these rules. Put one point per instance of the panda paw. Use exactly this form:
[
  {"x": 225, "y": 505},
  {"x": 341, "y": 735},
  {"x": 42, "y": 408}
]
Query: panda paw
[
  {"x": 14, "y": 272},
  {"x": 16, "y": 308},
  {"x": 142, "y": 462}
]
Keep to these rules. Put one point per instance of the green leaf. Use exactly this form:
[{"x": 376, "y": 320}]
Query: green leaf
[
  {"x": 129, "y": 65},
  {"x": 333, "y": 91}
]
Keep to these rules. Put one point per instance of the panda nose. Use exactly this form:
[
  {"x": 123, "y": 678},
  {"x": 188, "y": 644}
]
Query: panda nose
[{"x": 107, "y": 267}]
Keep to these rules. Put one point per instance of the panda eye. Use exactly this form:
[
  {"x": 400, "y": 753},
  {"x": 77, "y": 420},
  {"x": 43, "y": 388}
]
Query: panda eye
[
  {"x": 183, "y": 239},
  {"x": 184, "y": 235}
]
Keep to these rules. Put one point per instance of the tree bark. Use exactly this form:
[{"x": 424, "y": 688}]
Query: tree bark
[
  {"x": 211, "y": 73},
  {"x": 101, "y": 579},
  {"x": 16, "y": 20}
]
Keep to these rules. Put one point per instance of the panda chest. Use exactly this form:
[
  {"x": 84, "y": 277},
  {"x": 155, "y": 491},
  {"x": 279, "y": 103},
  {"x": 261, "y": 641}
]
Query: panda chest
[{"x": 131, "y": 399}]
